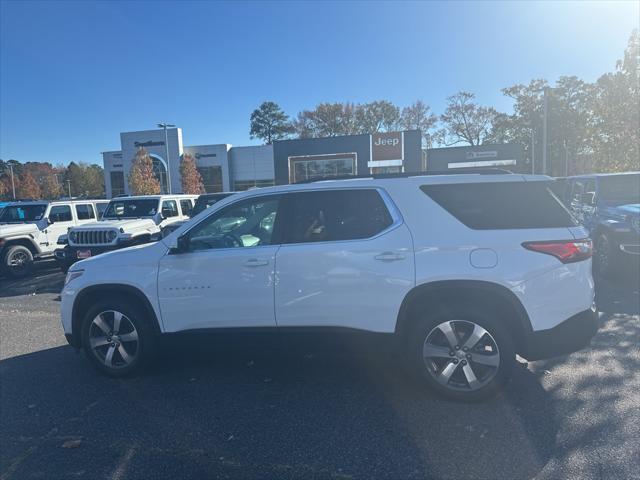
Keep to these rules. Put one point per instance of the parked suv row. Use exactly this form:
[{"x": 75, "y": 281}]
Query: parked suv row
[
  {"x": 29, "y": 230},
  {"x": 459, "y": 272},
  {"x": 126, "y": 221}
]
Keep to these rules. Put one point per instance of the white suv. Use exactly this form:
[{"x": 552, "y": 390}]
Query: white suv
[
  {"x": 461, "y": 272},
  {"x": 30, "y": 230},
  {"x": 126, "y": 221}
]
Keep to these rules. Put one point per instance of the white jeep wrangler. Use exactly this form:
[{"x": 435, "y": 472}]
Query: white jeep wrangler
[
  {"x": 29, "y": 230},
  {"x": 126, "y": 221}
]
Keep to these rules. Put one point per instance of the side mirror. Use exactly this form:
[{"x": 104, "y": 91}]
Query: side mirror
[
  {"x": 183, "y": 244},
  {"x": 49, "y": 221}
]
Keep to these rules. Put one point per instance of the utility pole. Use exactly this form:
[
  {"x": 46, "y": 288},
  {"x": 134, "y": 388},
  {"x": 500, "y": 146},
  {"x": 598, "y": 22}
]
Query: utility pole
[
  {"x": 69, "y": 185},
  {"x": 165, "y": 125},
  {"x": 544, "y": 130}
]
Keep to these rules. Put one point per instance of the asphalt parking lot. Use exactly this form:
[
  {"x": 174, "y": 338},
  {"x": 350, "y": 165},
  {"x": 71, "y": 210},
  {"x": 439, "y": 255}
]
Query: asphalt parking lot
[{"x": 258, "y": 414}]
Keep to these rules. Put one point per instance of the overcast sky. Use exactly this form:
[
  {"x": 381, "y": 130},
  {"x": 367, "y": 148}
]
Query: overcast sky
[{"x": 73, "y": 75}]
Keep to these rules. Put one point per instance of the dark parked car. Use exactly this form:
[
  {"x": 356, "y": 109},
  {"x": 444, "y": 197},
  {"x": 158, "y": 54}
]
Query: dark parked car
[
  {"x": 203, "y": 202},
  {"x": 609, "y": 206}
]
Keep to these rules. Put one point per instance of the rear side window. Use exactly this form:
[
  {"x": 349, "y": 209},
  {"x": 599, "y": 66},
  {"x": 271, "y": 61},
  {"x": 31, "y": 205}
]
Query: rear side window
[
  {"x": 503, "y": 205},
  {"x": 334, "y": 215},
  {"x": 84, "y": 211},
  {"x": 60, "y": 213},
  {"x": 101, "y": 207},
  {"x": 186, "y": 207}
]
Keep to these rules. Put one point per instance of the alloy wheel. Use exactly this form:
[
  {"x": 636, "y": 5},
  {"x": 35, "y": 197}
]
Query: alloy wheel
[
  {"x": 19, "y": 261},
  {"x": 461, "y": 355},
  {"x": 114, "y": 339}
]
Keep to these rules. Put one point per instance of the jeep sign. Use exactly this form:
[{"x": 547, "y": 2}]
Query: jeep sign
[{"x": 387, "y": 146}]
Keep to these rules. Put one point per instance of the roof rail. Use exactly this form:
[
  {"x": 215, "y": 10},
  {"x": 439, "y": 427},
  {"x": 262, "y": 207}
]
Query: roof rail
[{"x": 457, "y": 171}]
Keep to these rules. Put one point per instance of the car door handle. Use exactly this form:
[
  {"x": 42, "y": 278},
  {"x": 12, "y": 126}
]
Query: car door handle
[
  {"x": 389, "y": 256},
  {"x": 254, "y": 262}
]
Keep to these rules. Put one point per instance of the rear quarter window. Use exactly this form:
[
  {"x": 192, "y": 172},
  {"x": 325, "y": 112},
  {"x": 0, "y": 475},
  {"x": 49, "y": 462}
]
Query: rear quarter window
[{"x": 502, "y": 205}]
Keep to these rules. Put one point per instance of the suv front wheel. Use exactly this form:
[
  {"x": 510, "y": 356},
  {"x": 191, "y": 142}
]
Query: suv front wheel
[
  {"x": 461, "y": 353},
  {"x": 117, "y": 338}
]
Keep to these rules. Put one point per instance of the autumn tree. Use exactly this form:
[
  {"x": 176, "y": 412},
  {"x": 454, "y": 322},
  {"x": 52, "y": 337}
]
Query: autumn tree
[
  {"x": 50, "y": 188},
  {"x": 28, "y": 188},
  {"x": 465, "y": 121},
  {"x": 191, "y": 178},
  {"x": 4, "y": 189},
  {"x": 269, "y": 123},
  {"x": 418, "y": 116},
  {"x": 142, "y": 179}
]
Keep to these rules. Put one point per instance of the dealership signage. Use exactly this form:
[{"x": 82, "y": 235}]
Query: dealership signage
[{"x": 387, "y": 149}]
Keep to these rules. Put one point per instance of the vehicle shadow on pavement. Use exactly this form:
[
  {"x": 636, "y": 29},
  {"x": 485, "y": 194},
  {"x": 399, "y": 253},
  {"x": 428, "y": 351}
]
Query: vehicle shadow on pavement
[
  {"x": 47, "y": 278},
  {"x": 204, "y": 414}
]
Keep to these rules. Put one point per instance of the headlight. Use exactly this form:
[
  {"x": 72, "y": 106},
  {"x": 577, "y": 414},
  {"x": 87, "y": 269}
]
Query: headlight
[
  {"x": 73, "y": 236},
  {"x": 111, "y": 235},
  {"x": 72, "y": 275}
]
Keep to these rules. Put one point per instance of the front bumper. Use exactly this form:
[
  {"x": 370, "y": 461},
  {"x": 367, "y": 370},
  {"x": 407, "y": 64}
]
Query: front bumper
[
  {"x": 569, "y": 336},
  {"x": 69, "y": 254}
]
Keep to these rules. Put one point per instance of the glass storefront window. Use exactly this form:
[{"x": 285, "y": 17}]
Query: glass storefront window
[
  {"x": 321, "y": 166},
  {"x": 211, "y": 178},
  {"x": 117, "y": 183}
]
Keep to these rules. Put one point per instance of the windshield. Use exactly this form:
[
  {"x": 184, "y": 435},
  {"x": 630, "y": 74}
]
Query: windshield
[
  {"x": 131, "y": 208},
  {"x": 22, "y": 213},
  {"x": 203, "y": 202},
  {"x": 620, "y": 189}
]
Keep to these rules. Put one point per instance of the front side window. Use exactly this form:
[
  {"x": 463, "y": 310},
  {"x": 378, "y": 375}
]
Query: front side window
[
  {"x": 84, "y": 211},
  {"x": 169, "y": 208},
  {"x": 22, "y": 213},
  {"x": 125, "y": 208},
  {"x": 335, "y": 215},
  {"x": 249, "y": 223},
  {"x": 60, "y": 213}
]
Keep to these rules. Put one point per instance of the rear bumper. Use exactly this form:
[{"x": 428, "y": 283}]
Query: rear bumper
[{"x": 569, "y": 336}]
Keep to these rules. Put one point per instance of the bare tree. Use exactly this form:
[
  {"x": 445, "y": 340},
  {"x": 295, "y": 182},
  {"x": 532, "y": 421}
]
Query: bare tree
[{"x": 465, "y": 121}]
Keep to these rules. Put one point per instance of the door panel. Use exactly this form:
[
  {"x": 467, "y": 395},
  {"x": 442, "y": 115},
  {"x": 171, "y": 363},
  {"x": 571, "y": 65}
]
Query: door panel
[
  {"x": 217, "y": 288},
  {"x": 356, "y": 284},
  {"x": 222, "y": 275}
]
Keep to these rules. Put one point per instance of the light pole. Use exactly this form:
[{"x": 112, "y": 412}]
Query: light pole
[
  {"x": 533, "y": 152},
  {"x": 545, "y": 108},
  {"x": 164, "y": 126},
  {"x": 69, "y": 186}
]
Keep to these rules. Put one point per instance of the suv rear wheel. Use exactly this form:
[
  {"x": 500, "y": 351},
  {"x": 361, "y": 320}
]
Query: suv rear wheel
[
  {"x": 18, "y": 261},
  {"x": 462, "y": 354},
  {"x": 117, "y": 338}
]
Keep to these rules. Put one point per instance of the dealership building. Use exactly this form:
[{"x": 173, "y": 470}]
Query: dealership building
[{"x": 224, "y": 167}]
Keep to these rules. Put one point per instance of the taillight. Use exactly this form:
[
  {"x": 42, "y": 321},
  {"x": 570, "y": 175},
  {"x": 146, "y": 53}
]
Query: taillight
[{"x": 567, "y": 251}]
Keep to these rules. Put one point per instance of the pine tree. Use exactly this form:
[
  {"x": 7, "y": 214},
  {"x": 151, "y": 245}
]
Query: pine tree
[
  {"x": 142, "y": 180},
  {"x": 191, "y": 178}
]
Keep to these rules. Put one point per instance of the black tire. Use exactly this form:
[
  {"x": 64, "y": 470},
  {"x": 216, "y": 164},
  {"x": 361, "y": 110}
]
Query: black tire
[
  {"x": 17, "y": 261},
  {"x": 142, "y": 353},
  {"x": 463, "y": 318},
  {"x": 604, "y": 256}
]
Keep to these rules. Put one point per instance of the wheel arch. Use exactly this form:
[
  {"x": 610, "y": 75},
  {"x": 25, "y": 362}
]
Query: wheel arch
[
  {"x": 23, "y": 241},
  {"x": 87, "y": 296},
  {"x": 488, "y": 294}
]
